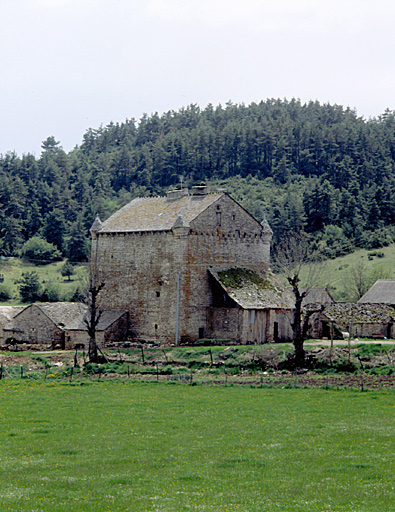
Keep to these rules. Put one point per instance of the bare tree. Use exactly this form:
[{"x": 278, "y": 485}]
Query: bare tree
[
  {"x": 293, "y": 259},
  {"x": 92, "y": 320},
  {"x": 360, "y": 278}
]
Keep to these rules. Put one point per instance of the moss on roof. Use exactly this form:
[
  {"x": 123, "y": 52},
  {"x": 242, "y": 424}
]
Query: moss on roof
[{"x": 253, "y": 288}]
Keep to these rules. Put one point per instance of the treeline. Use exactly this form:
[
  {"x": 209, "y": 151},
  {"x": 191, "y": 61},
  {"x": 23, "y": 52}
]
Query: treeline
[{"x": 309, "y": 167}]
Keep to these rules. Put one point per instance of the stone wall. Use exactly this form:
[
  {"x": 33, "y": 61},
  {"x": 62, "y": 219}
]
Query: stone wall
[{"x": 33, "y": 326}]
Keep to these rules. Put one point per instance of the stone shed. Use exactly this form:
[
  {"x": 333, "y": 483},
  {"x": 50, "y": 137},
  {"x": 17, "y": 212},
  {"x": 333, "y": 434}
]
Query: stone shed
[
  {"x": 154, "y": 257},
  {"x": 61, "y": 324},
  {"x": 360, "y": 320}
]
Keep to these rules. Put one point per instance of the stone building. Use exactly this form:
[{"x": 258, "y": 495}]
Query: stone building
[
  {"x": 62, "y": 325},
  {"x": 161, "y": 258},
  {"x": 359, "y": 320}
]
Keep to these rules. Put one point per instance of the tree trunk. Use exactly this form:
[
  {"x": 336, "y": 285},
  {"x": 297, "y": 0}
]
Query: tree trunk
[{"x": 297, "y": 324}]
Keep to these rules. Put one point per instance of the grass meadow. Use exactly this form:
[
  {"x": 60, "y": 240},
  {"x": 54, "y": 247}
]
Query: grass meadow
[{"x": 118, "y": 446}]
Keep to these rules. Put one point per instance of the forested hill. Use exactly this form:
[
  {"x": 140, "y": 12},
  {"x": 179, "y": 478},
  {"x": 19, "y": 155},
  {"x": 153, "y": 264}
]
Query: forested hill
[{"x": 313, "y": 167}]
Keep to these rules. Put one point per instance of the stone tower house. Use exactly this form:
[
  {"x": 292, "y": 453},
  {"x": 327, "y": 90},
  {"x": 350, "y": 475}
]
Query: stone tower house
[{"x": 154, "y": 256}]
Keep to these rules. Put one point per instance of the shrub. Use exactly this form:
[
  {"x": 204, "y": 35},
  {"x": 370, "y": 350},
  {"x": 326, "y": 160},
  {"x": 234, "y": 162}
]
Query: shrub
[
  {"x": 5, "y": 292},
  {"x": 38, "y": 249}
]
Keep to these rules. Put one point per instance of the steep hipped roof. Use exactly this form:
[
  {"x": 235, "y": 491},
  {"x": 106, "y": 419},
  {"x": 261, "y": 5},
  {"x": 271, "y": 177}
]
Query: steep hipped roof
[
  {"x": 157, "y": 213},
  {"x": 70, "y": 315},
  {"x": 253, "y": 289},
  {"x": 382, "y": 292},
  {"x": 317, "y": 296},
  {"x": 343, "y": 312}
]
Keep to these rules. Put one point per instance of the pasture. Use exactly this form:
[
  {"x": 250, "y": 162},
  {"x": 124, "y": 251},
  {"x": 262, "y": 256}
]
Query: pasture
[{"x": 129, "y": 446}]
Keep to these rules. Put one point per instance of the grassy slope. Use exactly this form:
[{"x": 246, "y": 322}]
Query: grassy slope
[
  {"x": 336, "y": 273},
  {"x": 51, "y": 273},
  {"x": 119, "y": 446}
]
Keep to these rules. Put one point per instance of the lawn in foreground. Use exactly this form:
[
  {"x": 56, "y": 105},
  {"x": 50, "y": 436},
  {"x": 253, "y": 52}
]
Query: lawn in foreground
[{"x": 117, "y": 446}]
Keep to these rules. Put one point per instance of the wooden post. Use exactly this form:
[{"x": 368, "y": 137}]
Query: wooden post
[
  {"x": 211, "y": 357},
  {"x": 142, "y": 353},
  {"x": 331, "y": 351},
  {"x": 1, "y": 370},
  {"x": 71, "y": 373},
  {"x": 191, "y": 376},
  {"x": 157, "y": 372},
  {"x": 75, "y": 359},
  {"x": 21, "y": 372}
]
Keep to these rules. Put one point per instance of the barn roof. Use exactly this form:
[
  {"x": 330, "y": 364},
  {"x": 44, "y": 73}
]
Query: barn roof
[
  {"x": 382, "y": 292},
  {"x": 158, "y": 213},
  {"x": 253, "y": 289},
  {"x": 7, "y": 313},
  {"x": 70, "y": 315},
  {"x": 343, "y": 312},
  {"x": 317, "y": 296}
]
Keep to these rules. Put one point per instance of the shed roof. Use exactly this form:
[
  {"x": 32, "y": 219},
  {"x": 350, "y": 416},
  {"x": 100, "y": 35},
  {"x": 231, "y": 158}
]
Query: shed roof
[
  {"x": 71, "y": 315},
  {"x": 317, "y": 296},
  {"x": 253, "y": 289},
  {"x": 343, "y": 312},
  {"x": 157, "y": 213},
  {"x": 7, "y": 313},
  {"x": 382, "y": 292}
]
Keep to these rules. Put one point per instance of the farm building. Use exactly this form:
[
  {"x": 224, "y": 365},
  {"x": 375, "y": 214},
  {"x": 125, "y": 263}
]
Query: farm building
[
  {"x": 382, "y": 292},
  {"x": 360, "y": 320},
  {"x": 317, "y": 296},
  {"x": 7, "y": 313},
  {"x": 61, "y": 324},
  {"x": 162, "y": 259}
]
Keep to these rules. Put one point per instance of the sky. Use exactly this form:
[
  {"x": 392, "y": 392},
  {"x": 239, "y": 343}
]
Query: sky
[{"x": 70, "y": 65}]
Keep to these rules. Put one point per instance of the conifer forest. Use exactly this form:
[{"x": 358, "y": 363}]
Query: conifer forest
[{"x": 313, "y": 168}]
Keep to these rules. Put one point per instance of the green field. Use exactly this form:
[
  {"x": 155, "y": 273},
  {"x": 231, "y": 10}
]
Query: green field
[
  {"x": 117, "y": 446},
  {"x": 49, "y": 275}
]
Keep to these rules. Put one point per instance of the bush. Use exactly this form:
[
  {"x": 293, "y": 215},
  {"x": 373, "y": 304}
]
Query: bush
[
  {"x": 40, "y": 250},
  {"x": 5, "y": 292}
]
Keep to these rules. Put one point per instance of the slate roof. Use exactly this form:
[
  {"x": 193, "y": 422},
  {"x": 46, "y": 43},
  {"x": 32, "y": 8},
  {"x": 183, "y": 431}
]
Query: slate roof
[
  {"x": 70, "y": 315},
  {"x": 7, "y": 313},
  {"x": 317, "y": 296},
  {"x": 343, "y": 312},
  {"x": 157, "y": 213},
  {"x": 382, "y": 292},
  {"x": 253, "y": 289}
]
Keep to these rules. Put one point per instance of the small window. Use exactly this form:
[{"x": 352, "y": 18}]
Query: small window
[
  {"x": 233, "y": 217},
  {"x": 156, "y": 327},
  {"x": 201, "y": 333},
  {"x": 218, "y": 218},
  {"x": 251, "y": 316},
  {"x": 158, "y": 294}
]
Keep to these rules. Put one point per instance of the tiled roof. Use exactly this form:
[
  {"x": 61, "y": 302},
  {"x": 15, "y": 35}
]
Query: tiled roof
[
  {"x": 343, "y": 312},
  {"x": 253, "y": 289},
  {"x": 157, "y": 213},
  {"x": 382, "y": 292}
]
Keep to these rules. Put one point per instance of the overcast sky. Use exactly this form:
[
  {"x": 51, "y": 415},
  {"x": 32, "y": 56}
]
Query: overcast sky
[{"x": 67, "y": 65}]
